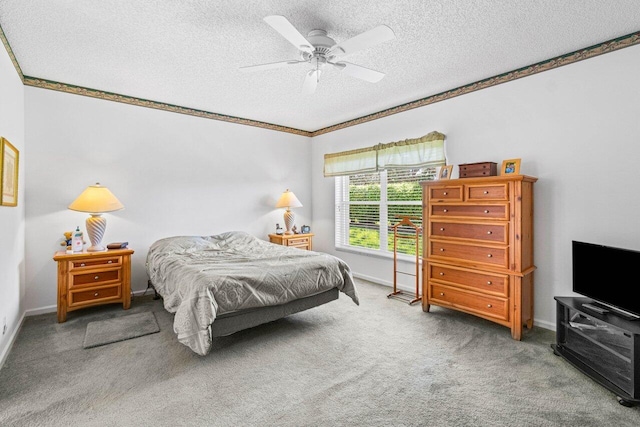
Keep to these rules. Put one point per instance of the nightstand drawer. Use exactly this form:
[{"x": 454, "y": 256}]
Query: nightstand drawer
[
  {"x": 94, "y": 295},
  {"x": 95, "y": 278},
  {"x": 299, "y": 241},
  {"x": 101, "y": 262}
]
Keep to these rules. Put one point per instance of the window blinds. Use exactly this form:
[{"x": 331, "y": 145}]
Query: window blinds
[{"x": 411, "y": 153}]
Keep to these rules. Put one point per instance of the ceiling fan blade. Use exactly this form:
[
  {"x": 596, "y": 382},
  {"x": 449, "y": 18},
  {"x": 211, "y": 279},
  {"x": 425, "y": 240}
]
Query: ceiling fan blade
[
  {"x": 310, "y": 82},
  {"x": 359, "y": 72},
  {"x": 270, "y": 65},
  {"x": 364, "y": 40},
  {"x": 289, "y": 32}
]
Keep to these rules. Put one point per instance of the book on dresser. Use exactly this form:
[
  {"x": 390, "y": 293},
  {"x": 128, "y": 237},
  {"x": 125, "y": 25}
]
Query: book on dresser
[{"x": 478, "y": 248}]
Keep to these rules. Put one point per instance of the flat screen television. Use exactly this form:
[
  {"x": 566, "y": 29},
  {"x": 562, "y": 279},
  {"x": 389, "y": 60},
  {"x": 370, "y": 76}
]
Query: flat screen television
[{"x": 604, "y": 274}]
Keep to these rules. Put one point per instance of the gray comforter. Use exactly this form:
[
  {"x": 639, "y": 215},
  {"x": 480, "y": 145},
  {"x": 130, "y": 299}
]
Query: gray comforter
[{"x": 200, "y": 278}]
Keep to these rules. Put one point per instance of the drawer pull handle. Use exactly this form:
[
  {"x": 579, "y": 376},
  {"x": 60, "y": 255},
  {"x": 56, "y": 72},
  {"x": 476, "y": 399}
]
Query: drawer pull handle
[
  {"x": 441, "y": 228},
  {"x": 82, "y": 265},
  {"x": 110, "y": 262},
  {"x": 441, "y": 273},
  {"x": 486, "y": 192},
  {"x": 486, "y": 211},
  {"x": 445, "y": 193},
  {"x": 445, "y": 210},
  {"x": 441, "y": 294},
  {"x": 489, "y": 256},
  {"x": 95, "y": 295},
  {"x": 489, "y": 306},
  {"x": 441, "y": 249},
  {"x": 96, "y": 278},
  {"x": 489, "y": 232},
  {"x": 489, "y": 283}
]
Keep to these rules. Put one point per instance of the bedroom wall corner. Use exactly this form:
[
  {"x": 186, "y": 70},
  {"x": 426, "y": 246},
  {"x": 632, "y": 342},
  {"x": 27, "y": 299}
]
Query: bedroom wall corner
[{"x": 12, "y": 219}]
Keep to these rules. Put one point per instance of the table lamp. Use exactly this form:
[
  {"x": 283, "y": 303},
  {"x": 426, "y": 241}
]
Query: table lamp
[
  {"x": 288, "y": 200},
  {"x": 96, "y": 200}
]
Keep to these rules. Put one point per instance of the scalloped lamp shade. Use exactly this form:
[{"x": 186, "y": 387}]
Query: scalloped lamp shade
[
  {"x": 96, "y": 200},
  {"x": 288, "y": 200}
]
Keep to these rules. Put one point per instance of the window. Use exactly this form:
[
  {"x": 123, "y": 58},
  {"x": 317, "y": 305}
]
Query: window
[{"x": 369, "y": 204}]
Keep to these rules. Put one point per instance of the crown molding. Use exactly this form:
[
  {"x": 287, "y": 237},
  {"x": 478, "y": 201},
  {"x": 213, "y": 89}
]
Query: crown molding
[
  {"x": 559, "y": 61},
  {"x": 550, "y": 64}
]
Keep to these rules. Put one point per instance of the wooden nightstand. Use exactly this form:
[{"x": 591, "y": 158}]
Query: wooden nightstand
[
  {"x": 302, "y": 241},
  {"x": 93, "y": 278}
]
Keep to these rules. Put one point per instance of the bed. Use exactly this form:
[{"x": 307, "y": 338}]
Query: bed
[{"x": 217, "y": 285}]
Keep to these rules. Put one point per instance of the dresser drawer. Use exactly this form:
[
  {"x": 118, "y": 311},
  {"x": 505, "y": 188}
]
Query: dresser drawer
[
  {"x": 91, "y": 263},
  {"x": 95, "y": 278},
  {"x": 470, "y": 210},
  {"x": 487, "y": 192},
  {"x": 496, "y": 284},
  {"x": 94, "y": 295},
  {"x": 453, "y": 193},
  {"x": 496, "y": 256},
  {"x": 475, "y": 303},
  {"x": 494, "y": 233}
]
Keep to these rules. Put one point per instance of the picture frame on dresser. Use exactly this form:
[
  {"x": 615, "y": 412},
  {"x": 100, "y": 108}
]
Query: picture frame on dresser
[
  {"x": 9, "y": 164},
  {"x": 444, "y": 172},
  {"x": 510, "y": 167}
]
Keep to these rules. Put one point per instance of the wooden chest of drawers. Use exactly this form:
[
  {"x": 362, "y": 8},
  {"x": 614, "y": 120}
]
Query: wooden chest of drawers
[
  {"x": 93, "y": 278},
  {"x": 478, "y": 248},
  {"x": 301, "y": 241}
]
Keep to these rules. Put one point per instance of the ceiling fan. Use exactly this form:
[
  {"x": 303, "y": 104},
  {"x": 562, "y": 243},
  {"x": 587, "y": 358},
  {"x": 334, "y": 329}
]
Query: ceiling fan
[{"x": 320, "y": 51}]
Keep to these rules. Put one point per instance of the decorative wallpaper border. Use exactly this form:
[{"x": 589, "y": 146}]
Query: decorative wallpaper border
[
  {"x": 5, "y": 42},
  {"x": 578, "y": 55},
  {"x": 109, "y": 96}
]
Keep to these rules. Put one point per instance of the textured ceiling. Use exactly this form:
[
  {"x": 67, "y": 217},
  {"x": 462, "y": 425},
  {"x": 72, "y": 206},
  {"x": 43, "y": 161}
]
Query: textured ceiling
[{"x": 188, "y": 53}]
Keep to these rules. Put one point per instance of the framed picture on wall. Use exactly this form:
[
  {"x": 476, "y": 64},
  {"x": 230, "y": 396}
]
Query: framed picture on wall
[
  {"x": 9, "y": 162},
  {"x": 445, "y": 172},
  {"x": 510, "y": 167}
]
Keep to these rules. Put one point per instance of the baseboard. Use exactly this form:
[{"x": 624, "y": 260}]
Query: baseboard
[
  {"x": 378, "y": 281},
  {"x": 542, "y": 324},
  {"x": 12, "y": 339},
  {"x": 41, "y": 310}
]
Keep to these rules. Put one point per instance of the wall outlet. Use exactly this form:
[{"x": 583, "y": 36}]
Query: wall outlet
[{"x": 4, "y": 325}]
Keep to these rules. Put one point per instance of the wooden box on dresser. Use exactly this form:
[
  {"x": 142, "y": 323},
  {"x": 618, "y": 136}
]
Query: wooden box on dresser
[{"x": 478, "y": 248}]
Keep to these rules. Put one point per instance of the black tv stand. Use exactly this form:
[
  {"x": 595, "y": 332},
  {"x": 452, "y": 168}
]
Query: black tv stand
[{"x": 604, "y": 346}]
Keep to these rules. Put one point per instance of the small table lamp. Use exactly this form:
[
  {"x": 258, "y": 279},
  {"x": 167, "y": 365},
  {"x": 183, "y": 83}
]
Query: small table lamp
[
  {"x": 96, "y": 200},
  {"x": 288, "y": 200}
]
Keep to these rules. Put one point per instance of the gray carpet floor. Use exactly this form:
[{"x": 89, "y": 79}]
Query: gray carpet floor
[{"x": 383, "y": 363}]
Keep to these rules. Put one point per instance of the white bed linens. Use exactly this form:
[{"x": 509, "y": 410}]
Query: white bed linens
[{"x": 202, "y": 277}]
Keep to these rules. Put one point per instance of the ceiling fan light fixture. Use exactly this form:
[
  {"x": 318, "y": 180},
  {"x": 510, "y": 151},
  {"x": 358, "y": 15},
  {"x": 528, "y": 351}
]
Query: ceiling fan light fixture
[{"x": 318, "y": 50}]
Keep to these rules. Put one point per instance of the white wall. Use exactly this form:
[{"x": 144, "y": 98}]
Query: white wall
[
  {"x": 12, "y": 219},
  {"x": 175, "y": 175},
  {"x": 577, "y": 128}
]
